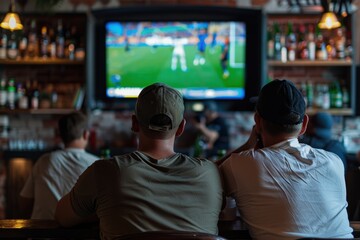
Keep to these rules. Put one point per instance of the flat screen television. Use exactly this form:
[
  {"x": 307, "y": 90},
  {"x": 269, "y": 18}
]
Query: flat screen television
[{"x": 207, "y": 53}]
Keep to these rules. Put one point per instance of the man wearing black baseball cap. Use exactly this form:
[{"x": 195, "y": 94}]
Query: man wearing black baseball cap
[
  {"x": 153, "y": 188},
  {"x": 284, "y": 189}
]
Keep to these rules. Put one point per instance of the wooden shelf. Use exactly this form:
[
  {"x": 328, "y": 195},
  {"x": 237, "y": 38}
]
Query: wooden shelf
[
  {"x": 41, "y": 61},
  {"x": 309, "y": 63},
  {"x": 332, "y": 111},
  {"x": 38, "y": 111}
]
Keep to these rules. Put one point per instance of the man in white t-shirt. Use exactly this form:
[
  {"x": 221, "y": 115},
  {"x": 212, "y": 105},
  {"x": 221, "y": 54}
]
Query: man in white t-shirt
[
  {"x": 55, "y": 173},
  {"x": 284, "y": 189}
]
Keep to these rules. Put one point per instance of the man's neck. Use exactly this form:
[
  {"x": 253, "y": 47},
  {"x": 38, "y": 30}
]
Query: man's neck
[
  {"x": 75, "y": 144},
  {"x": 268, "y": 141},
  {"x": 157, "y": 148}
]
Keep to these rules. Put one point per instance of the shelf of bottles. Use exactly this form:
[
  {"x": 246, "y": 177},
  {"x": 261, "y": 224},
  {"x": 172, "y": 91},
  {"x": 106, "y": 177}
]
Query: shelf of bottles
[
  {"x": 332, "y": 98},
  {"x": 295, "y": 43},
  {"x": 42, "y": 67},
  {"x": 41, "y": 42},
  {"x": 17, "y": 98}
]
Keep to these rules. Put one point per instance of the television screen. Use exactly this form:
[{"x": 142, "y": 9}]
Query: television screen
[
  {"x": 207, "y": 53},
  {"x": 204, "y": 60}
]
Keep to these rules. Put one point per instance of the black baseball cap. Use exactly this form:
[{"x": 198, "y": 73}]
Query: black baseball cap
[{"x": 280, "y": 101}]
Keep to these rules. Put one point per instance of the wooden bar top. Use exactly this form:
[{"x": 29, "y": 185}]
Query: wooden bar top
[{"x": 25, "y": 228}]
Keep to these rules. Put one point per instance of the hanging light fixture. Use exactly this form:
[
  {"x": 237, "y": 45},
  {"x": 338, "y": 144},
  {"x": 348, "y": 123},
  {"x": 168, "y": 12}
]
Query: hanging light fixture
[
  {"x": 328, "y": 19},
  {"x": 11, "y": 20}
]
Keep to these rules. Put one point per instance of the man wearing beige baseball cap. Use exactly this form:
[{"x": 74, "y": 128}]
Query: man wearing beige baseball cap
[{"x": 153, "y": 188}]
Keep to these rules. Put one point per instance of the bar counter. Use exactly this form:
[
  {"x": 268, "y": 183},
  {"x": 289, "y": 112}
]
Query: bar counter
[{"x": 25, "y": 228}]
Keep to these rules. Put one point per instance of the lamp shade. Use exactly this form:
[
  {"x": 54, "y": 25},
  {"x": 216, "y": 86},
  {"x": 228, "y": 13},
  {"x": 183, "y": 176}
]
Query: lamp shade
[
  {"x": 11, "y": 22},
  {"x": 329, "y": 20}
]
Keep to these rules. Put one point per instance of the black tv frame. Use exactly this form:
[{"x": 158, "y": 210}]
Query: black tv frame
[{"x": 255, "y": 48}]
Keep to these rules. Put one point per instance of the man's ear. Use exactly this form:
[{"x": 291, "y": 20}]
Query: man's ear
[
  {"x": 134, "y": 124},
  {"x": 304, "y": 125},
  {"x": 86, "y": 134},
  {"x": 181, "y": 128}
]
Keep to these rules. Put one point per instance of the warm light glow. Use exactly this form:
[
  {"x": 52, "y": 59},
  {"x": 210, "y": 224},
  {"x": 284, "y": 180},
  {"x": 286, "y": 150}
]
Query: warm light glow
[
  {"x": 329, "y": 21},
  {"x": 11, "y": 22}
]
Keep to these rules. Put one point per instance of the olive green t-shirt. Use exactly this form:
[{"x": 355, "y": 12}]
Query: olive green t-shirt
[{"x": 135, "y": 193}]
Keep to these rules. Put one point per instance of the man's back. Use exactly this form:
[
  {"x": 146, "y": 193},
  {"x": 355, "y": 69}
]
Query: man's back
[
  {"x": 135, "y": 193},
  {"x": 53, "y": 176},
  {"x": 288, "y": 191}
]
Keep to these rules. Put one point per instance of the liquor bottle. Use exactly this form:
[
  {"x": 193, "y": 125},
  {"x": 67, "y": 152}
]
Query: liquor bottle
[
  {"x": 3, "y": 43},
  {"x": 336, "y": 98},
  {"x": 321, "y": 53},
  {"x": 12, "y": 48},
  {"x": 310, "y": 94},
  {"x": 345, "y": 95},
  {"x": 33, "y": 47},
  {"x": 277, "y": 43},
  {"x": 35, "y": 95},
  {"x": 54, "y": 98},
  {"x": 22, "y": 98},
  {"x": 302, "y": 50},
  {"x": 105, "y": 153},
  {"x": 340, "y": 42},
  {"x": 3, "y": 93},
  {"x": 11, "y": 89},
  {"x": 44, "y": 42},
  {"x": 348, "y": 50},
  {"x": 326, "y": 97},
  {"x": 199, "y": 147},
  {"x": 60, "y": 40},
  {"x": 283, "y": 51},
  {"x": 291, "y": 42},
  {"x": 72, "y": 43},
  {"x": 318, "y": 96},
  {"x": 331, "y": 50},
  {"x": 23, "y": 44},
  {"x": 311, "y": 46},
  {"x": 270, "y": 43},
  {"x": 52, "y": 43}
]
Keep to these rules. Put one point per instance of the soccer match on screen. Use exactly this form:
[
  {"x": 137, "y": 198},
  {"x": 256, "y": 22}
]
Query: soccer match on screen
[{"x": 201, "y": 59}]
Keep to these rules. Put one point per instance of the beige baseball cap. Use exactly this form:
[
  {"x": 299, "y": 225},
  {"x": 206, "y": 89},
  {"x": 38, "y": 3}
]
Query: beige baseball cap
[{"x": 159, "y": 99}]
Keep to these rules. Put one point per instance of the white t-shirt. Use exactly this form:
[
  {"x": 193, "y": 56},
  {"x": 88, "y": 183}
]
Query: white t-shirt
[
  {"x": 289, "y": 191},
  {"x": 53, "y": 176}
]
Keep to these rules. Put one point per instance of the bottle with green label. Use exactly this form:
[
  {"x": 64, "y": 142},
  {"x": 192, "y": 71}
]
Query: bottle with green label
[{"x": 11, "y": 91}]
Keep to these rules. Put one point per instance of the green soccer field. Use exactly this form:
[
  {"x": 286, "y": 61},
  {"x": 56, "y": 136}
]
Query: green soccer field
[{"x": 143, "y": 65}]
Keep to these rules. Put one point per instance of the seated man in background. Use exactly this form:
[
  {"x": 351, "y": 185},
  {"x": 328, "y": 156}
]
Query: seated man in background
[
  {"x": 55, "y": 173},
  {"x": 284, "y": 189},
  {"x": 153, "y": 188},
  {"x": 213, "y": 130},
  {"x": 319, "y": 135}
]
